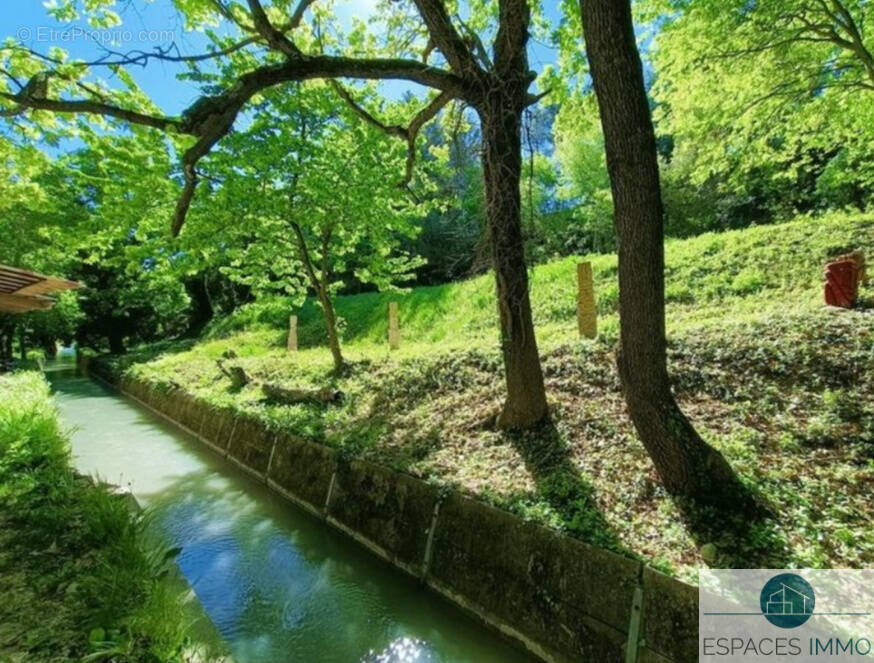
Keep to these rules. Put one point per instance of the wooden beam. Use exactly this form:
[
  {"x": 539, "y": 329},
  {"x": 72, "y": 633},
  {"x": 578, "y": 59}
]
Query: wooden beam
[
  {"x": 50, "y": 284},
  {"x": 23, "y": 303},
  {"x": 587, "y": 316},
  {"x": 14, "y": 281}
]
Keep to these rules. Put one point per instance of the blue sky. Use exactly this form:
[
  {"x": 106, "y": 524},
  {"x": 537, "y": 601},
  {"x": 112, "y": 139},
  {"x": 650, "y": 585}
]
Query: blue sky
[
  {"x": 148, "y": 24},
  {"x": 30, "y": 18}
]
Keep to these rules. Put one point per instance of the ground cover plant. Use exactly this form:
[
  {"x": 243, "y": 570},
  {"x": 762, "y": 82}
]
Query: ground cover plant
[
  {"x": 80, "y": 577},
  {"x": 334, "y": 161},
  {"x": 779, "y": 384}
]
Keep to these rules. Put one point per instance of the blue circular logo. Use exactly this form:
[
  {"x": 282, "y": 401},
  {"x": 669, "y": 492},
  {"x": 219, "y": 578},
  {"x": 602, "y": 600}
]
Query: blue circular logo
[{"x": 787, "y": 600}]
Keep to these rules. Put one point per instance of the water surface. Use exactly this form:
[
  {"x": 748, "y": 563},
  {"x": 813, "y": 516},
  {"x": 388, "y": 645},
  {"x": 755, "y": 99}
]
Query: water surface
[{"x": 277, "y": 583}]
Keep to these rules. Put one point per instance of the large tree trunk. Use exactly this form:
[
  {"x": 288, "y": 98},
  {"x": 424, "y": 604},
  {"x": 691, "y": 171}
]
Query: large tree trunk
[
  {"x": 501, "y": 120},
  {"x": 686, "y": 464}
]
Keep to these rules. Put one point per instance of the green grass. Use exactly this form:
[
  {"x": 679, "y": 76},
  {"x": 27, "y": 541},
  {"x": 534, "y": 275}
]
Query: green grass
[
  {"x": 743, "y": 269},
  {"x": 80, "y": 578},
  {"x": 782, "y": 386}
]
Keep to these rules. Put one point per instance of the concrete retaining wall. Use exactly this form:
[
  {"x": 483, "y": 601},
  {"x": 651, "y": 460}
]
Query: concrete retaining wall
[{"x": 560, "y": 598}]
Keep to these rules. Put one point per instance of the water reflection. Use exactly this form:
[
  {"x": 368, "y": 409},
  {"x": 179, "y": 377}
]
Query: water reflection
[
  {"x": 402, "y": 650},
  {"x": 276, "y": 583}
]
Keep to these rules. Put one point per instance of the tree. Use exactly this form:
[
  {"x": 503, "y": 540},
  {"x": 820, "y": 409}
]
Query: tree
[
  {"x": 124, "y": 306},
  {"x": 276, "y": 46},
  {"x": 453, "y": 237},
  {"x": 92, "y": 215},
  {"x": 33, "y": 239},
  {"x": 579, "y": 146},
  {"x": 687, "y": 465},
  {"x": 768, "y": 103},
  {"x": 813, "y": 44},
  {"x": 317, "y": 196}
]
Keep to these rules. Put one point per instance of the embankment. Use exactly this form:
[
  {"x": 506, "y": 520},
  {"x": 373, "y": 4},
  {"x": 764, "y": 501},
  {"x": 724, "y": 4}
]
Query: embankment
[{"x": 560, "y": 598}]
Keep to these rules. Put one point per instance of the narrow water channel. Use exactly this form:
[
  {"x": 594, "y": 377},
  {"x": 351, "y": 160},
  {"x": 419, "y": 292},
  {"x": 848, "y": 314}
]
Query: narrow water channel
[{"x": 279, "y": 585}]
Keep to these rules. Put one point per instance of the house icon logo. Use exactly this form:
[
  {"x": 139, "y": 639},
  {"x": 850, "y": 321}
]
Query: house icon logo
[{"x": 787, "y": 600}]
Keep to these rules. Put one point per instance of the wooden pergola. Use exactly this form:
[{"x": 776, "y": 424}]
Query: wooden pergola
[{"x": 21, "y": 290}]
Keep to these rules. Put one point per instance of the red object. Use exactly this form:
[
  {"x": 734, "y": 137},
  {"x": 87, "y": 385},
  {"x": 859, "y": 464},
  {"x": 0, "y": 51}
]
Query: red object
[{"x": 841, "y": 282}]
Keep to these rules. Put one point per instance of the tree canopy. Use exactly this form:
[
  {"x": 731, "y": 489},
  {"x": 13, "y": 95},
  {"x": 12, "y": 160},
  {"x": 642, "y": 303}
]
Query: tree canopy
[{"x": 420, "y": 142}]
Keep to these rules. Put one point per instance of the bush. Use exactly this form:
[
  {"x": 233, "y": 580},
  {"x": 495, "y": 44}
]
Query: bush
[{"x": 79, "y": 576}]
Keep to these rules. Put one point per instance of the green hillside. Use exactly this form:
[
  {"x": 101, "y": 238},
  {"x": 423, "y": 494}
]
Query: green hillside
[
  {"x": 783, "y": 386},
  {"x": 744, "y": 270}
]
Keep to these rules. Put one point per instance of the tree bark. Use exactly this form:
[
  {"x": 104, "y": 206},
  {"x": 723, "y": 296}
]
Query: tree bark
[
  {"x": 501, "y": 119},
  {"x": 331, "y": 327},
  {"x": 291, "y": 396},
  {"x": 687, "y": 465},
  {"x": 321, "y": 288},
  {"x": 236, "y": 374},
  {"x": 22, "y": 342}
]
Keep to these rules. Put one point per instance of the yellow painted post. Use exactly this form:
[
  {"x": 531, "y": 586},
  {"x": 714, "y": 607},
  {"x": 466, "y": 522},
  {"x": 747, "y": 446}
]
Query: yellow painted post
[
  {"x": 292, "y": 333},
  {"x": 587, "y": 318},
  {"x": 394, "y": 330}
]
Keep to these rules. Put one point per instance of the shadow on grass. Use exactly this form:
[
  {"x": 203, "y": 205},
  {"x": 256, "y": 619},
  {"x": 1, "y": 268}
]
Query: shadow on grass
[
  {"x": 561, "y": 486},
  {"x": 744, "y": 535}
]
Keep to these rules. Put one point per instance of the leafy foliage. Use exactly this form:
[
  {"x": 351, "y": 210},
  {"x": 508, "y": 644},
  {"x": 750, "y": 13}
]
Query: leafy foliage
[
  {"x": 767, "y": 104},
  {"x": 778, "y": 384},
  {"x": 81, "y": 579},
  {"x": 281, "y": 176}
]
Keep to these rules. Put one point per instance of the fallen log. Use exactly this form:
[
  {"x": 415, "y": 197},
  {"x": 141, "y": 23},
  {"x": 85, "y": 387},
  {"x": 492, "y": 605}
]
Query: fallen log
[
  {"x": 237, "y": 375},
  {"x": 292, "y": 396},
  {"x": 288, "y": 396}
]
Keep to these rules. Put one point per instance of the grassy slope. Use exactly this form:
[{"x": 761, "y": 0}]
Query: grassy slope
[
  {"x": 742, "y": 269},
  {"x": 781, "y": 385},
  {"x": 77, "y": 575}
]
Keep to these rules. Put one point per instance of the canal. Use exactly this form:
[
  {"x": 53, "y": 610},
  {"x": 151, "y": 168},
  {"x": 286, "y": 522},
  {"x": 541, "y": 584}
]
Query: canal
[{"x": 278, "y": 584}]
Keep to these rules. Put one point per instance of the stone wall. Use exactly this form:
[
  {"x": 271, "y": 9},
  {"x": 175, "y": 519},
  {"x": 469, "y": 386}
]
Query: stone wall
[{"x": 560, "y": 598}]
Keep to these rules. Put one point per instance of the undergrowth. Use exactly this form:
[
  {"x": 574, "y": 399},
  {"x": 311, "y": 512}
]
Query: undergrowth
[
  {"x": 782, "y": 386},
  {"x": 81, "y": 579}
]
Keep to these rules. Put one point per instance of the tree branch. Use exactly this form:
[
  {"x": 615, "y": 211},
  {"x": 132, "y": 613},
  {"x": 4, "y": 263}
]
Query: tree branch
[
  {"x": 24, "y": 101},
  {"x": 444, "y": 35},
  {"x": 297, "y": 16},
  {"x": 422, "y": 117},
  {"x": 305, "y": 257},
  {"x": 137, "y": 58},
  {"x": 820, "y": 22},
  {"x": 409, "y": 133},
  {"x": 364, "y": 114},
  {"x": 275, "y": 38},
  {"x": 477, "y": 45},
  {"x": 512, "y": 36},
  {"x": 211, "y": 117}
]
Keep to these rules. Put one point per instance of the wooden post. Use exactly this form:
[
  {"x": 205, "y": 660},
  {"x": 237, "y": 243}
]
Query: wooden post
[
  {"x": 394, "y": 330},
  {"x": 292, "y": 333},
  {"x": 587, "y": 319}
]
